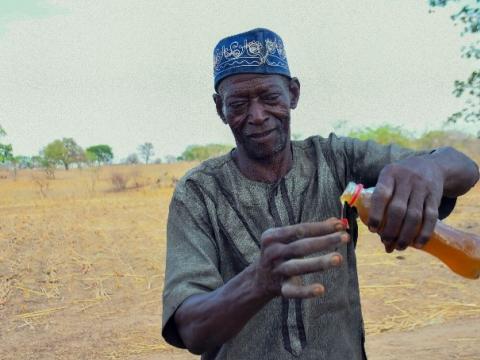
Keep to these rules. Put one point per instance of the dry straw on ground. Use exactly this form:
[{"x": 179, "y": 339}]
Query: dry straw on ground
[{"x": 81, "y": 267}]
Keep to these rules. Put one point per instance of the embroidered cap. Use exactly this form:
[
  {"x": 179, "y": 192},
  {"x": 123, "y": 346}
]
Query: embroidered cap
[{"x": 258, "y": 51}]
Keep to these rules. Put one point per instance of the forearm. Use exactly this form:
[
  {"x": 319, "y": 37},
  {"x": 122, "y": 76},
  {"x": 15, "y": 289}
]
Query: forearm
[
  {"x": 460, "y": 173},
  {"x": 209, "y": 320}
]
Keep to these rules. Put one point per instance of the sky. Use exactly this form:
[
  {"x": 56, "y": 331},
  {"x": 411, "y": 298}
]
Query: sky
[{"x": 125, "y": 72}]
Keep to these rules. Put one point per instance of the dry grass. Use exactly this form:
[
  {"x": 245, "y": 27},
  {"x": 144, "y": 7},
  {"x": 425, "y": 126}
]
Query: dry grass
[{"x": 81, "y": 267}]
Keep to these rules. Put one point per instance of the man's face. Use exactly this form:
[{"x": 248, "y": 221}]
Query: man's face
[{"x": 257, "y": 109}]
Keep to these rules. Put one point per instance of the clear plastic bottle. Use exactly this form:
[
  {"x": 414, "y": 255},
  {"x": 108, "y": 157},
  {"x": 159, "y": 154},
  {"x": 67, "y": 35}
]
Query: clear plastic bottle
[{"x": 459, "y": 250}]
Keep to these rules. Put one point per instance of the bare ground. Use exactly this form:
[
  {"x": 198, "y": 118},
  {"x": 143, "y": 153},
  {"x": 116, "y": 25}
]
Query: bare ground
[{"x": 81, "y": 276}]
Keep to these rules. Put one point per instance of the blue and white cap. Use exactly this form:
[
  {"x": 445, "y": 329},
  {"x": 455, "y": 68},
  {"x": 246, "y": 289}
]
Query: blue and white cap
[{"x": 258, "y": 51}]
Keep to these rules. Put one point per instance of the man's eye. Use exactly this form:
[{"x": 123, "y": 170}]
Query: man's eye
[
  {"x": 237, "y": 104},
  {"x": 271, "y": 97}
]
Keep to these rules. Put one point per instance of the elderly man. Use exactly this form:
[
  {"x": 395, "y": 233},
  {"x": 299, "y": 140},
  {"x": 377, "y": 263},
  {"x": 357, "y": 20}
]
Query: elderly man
[{"x": 258, "y": 265}]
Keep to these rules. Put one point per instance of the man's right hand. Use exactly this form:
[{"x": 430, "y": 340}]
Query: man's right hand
[{"x": 282, "y": 259}]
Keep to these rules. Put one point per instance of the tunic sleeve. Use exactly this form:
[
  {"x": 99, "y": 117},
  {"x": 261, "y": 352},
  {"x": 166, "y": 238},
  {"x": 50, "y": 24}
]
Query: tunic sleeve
[
  {"x": 192, "y": 257},
  {"x": 364, "y": 160}
]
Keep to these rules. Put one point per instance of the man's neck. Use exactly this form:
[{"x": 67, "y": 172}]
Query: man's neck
[{"x": 265, "y": 170}]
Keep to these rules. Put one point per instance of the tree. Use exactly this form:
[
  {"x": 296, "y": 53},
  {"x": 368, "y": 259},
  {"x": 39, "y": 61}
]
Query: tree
[
  {"x": 464, "y": 142},
  {"x": 55, "y": 153},
  {"x": 203, "y": 152},
  {"x": 49, "y": 166},
  {"x": 23, "y": 162},
  {"x": 132, "y": 159},
  {"x": 384, "y": 134},
  {"x": 37, "y": 161},
  {"x": 6, "y": 151},
  {"x": 20, "y": 162},
  {"x": 146, "y": 151},
  {"x": 102, "y": 154},
  {"x": 75, "y": 152},
  {"x": 468, "y": 16},
  {"x": 64, "y": 152}
]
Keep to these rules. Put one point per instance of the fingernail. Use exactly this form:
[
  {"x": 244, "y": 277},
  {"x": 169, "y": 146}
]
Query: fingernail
[
  {"x": 335, "y": 260},
  {"x": 318, "y": 290},
  {"x": 339, "y": 227},
  {"x": 344, "y": 238},
  {"x": 372, "y": 229}
]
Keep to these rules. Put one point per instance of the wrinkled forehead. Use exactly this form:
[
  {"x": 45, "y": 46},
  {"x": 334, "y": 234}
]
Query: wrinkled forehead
[{"x": 247, "y": 83}]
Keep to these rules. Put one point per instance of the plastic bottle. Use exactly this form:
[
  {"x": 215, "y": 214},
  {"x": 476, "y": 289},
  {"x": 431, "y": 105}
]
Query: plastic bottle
[{"x": 459, "y": 250}]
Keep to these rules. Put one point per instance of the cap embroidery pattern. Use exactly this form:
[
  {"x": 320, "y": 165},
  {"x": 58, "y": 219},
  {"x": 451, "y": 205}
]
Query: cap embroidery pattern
[{"x": 250, "y": 53}]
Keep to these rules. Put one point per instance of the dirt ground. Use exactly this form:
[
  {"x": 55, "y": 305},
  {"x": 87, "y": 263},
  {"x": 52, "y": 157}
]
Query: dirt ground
[{"x": 81, "y": 274}]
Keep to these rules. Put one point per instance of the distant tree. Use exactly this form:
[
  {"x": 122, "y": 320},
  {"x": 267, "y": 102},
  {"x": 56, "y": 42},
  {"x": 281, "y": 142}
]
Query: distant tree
[
  {"x": 23, "y": 162},
  {"x": 467, "y": 143},
  {"x": 47, "y": 164},
  {"x": 75, "y": 152},
  {"x": 203, "y": 152},
  {"x": 146, "y": 151},
  {"x": 132, "y": 159},
  {"x": 19, "y": 162},
  {"x": 6, "y": 151},
  {"x": 467, "y": 16},
  {"x": 91, "y": 158},
  {"x": 36, "y": 161},
  {"x": 102, "y": 154},
  {"x": 64, "y": 152},
  {"x": 384, "y": 134},
  {"x": 158, "y": 161},
  {"x": 56, "y": 153}
]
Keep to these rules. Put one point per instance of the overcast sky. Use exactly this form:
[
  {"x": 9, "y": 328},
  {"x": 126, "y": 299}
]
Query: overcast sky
[{"x": 125, "y": 72}]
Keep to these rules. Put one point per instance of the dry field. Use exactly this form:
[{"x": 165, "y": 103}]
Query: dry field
[{"x": 81, "y": 273}]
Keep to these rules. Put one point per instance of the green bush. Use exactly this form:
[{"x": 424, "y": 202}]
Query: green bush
[
  {"x": 384, "y": 134},
  {"x": 203, "y": 152}
]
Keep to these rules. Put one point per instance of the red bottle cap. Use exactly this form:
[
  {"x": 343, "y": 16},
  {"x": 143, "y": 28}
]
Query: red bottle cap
[{"x": 356, "y": 194}]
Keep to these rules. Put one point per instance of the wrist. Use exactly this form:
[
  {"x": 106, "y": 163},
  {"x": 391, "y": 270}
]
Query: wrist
[
  {"x": 260, "y": 288},
  {"x": 436, "y": 160}
]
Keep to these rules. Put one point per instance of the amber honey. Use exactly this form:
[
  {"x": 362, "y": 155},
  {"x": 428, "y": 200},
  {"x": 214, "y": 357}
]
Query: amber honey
[{"x": 459, "y": 250}]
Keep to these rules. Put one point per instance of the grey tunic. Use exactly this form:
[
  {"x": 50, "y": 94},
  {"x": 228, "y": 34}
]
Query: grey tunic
[{"x": 215, "y": 222}]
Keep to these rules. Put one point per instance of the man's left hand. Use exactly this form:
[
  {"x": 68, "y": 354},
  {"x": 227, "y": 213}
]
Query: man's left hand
[{"x": 404, "y": 208}]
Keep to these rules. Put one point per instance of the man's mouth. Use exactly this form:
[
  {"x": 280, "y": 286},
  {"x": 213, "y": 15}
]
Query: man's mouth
[{"x": 261, "y": 135}]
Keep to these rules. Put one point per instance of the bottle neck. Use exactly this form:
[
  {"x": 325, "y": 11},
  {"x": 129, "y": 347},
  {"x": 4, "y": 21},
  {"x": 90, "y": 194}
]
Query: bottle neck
[{"x": 356, "y": 194}]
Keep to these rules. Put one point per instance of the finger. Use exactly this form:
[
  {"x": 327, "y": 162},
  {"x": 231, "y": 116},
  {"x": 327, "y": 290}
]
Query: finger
[
  {"x": 389, "y": 246},
  {"x": 413, "y": 219},
  {"x": 291, "y": 233},
  {"x": 380, "y": 199},
  {"x": 430, "y": 217},
  {"x": 271, "y": 254},
  {"x": 295, "y": 267},
  {"x": 293, "y": 291},
  {"x": 312, "y": 245},
  {"x": 395, "y": 214}
]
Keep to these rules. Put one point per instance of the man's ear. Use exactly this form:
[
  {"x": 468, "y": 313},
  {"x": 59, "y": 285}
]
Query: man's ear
[
  {"x": 217, "y": 99},
  {"x": 294, "y": 88}
]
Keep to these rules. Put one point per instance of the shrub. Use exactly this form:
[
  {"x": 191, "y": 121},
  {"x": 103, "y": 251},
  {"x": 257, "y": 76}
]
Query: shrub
[{"x": 119, "y": 181}]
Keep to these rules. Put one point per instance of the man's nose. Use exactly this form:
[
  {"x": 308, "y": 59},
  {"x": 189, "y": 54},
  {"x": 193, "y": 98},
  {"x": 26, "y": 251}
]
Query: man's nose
[{"x": 257, "y": 113}]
